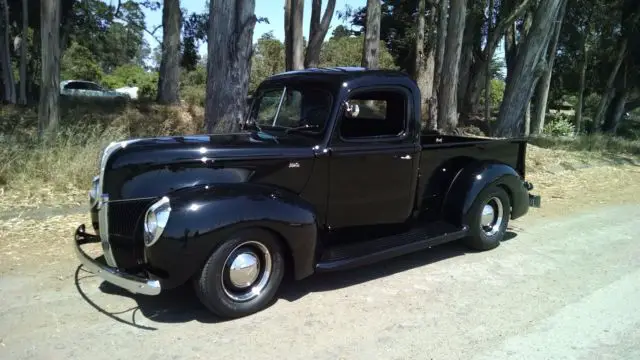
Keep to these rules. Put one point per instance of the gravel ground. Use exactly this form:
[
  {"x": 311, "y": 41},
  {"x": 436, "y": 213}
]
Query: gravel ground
[{"x": 565, "y": 285}]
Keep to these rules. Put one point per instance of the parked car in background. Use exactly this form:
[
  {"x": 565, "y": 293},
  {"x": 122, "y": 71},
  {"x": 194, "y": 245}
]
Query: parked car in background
[{"x": 83, "y": 88}]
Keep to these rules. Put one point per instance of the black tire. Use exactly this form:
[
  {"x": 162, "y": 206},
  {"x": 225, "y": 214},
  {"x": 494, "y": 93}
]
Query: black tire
[
  {"x": 488, "y": 237},
  {"x": 214, "y": 286}
]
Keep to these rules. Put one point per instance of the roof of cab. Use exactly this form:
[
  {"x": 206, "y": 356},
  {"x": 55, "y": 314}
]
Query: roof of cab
[{"x": 341, "y": 72}]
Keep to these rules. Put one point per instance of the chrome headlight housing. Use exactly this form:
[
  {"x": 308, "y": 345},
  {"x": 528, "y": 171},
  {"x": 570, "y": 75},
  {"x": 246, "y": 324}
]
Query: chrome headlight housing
[
  {"x": 93, "y": 193},
  {"x": 155, "y": 220}
]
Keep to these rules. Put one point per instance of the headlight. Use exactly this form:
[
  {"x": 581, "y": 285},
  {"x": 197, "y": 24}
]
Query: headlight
[
  {"x": 93, "y": 193},
  {"x": 155, "y": 220}
]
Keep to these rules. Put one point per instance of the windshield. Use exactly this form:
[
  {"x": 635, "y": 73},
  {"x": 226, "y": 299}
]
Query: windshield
[{"x": 288, "y": 107}]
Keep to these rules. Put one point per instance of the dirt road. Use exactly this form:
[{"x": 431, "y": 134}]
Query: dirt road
[{"x": 566, "y": 285}]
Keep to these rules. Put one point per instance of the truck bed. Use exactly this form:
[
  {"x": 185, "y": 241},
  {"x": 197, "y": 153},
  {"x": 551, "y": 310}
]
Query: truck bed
[{"x": 443, "y": 156}]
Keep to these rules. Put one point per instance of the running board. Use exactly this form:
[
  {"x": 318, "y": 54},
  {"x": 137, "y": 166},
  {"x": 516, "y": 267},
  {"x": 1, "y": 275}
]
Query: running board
[{"x": 341, "y": 257}]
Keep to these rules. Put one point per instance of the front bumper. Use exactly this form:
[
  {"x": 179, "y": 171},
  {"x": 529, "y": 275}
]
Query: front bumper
[{"x": 133, "y": 283}]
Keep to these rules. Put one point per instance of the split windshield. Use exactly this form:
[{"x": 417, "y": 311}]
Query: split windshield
[{"x": 287, "y": 107}]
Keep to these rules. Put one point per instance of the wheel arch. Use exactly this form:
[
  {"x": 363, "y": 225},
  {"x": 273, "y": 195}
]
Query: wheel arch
[
  {"x": 473, "y": 179},
  {"x": 190, "y": 237}
]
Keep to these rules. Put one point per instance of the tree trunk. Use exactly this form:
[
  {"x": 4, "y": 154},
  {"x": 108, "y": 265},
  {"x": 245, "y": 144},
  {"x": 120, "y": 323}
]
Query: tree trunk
[
  {"x": 439, "y": 58},
  {"x": 424, "y": 64},
  {"x": 615, "y": 113},
  {"x": 471, "y": 28},
  {"x": 48, "y": 111},
  {"x": 288, "y": 43},
  {"x": 9, "y": 93},
  {"x": 616, "y": 108},
  {"x": 543, "y": 86},
  {"x": 583, "y": 79},
  {"x": 23, "y": 52},
  {"x": 447, "y": 95},
  {"x": 370, "y": 48},
  {"x": 231, "y": 24},
  {"x": 473, "y": 81},
  {"x": 317, "y": 31},
  {"x": 294, "y": 41},
  {"x": 487, "y": 70},
  {"x": 526, "y": 70},
  {"x": 169, "y": 76},
  {"x": 510, "y": 48},
  {"x": 609, "y": 89}
]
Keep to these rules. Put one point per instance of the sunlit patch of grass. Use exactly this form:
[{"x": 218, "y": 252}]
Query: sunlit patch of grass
[
  {"x": 598, "y": 143},
  {"x": 34, "y": 172}
]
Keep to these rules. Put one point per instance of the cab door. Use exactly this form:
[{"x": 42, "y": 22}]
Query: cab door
[{"x": 373, "y": 161}]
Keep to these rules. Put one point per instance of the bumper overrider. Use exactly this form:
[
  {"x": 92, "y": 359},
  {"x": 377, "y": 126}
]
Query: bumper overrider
[{"x": 133, "y": 283}]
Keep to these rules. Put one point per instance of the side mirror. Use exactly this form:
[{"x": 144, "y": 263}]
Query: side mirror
[{"x": 351, "y": 110}]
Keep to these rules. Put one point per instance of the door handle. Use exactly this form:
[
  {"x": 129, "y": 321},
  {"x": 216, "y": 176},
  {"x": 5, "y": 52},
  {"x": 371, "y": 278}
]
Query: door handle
[{"x": 405, "y": 157}]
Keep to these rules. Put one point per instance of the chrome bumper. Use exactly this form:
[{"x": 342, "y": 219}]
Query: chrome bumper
[{"x": 132, "y": 283}]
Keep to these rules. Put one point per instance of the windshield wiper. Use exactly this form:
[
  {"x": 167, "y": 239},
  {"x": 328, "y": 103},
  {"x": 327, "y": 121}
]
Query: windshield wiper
[{"x": 303, "y": 127}]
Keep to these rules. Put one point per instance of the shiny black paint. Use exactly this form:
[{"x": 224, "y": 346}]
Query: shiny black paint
[
  {"x": 182, "y": 162},
  {"x": 246, "y": 179},
  {"x": 203, "y": 216},
  {"x": 470, "y": 181}
]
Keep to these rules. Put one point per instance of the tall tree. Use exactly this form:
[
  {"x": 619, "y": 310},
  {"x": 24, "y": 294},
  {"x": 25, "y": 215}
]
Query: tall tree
[
  {"x": 443, "y": 16},
  {"x": 9, "y": 93},
  {"x": 487, "y": 84},
  {"x": 169, "y": 76},
  {"x": 231, "y": 24},
  {"x": 629, "y": 23},
  {"x": 528, "y": 67},
  {"x": 48, "y": 111},
  {"x": 543, "y": 86},
  {"x": 475, "y": 58},
  {"x": 447, "y": 94},
  {"x": 317, "y": 31},
  {"x": 425, "y": 61},
  {"x": 23, "y": 52},
  {"x": 370, "y": 48},
  {"x": 293, "y": 39}
]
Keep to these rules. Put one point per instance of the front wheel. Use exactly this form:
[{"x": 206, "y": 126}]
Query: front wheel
[
  {"x": 242, "y": 275},
  {"x": 488, "y": 218}
]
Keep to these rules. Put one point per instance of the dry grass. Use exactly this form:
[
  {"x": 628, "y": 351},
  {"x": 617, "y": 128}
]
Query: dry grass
[
  {"x": 34, "y": 174},
  {"x": 543, "y": 160},
  {"x": 595, "y": 144}
]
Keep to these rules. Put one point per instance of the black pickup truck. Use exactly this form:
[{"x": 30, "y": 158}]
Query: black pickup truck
[{"x": 330, "y": 171}]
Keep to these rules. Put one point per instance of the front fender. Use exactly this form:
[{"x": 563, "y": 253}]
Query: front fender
[
  {"x": 204, "y": 216},
  {"x": 473, "y": 178}
]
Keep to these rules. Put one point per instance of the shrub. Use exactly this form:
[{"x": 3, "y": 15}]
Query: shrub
[{"x": 559, "y": 125}]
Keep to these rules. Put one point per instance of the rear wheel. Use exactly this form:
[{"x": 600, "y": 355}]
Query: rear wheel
[
  {"x": 242, "y": 275},
  {"x": 488, "y": 218}
]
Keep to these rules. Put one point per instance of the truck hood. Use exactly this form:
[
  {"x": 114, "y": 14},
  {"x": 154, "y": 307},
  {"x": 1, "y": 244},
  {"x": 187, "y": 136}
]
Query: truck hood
[{"x": 151, "y": 167}]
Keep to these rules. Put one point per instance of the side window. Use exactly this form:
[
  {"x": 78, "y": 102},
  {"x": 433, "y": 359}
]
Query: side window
[
  {"x": 375, "y": 113},
  {"x": 92, "y": 86}
]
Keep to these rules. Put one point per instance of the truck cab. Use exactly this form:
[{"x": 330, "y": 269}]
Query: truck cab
[{"x": 330, "y": 171}]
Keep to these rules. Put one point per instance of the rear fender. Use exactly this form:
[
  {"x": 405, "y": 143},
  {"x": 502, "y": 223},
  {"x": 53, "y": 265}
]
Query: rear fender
[
  {"x": 202, "y": 217},
  {"x": 475, "y": 177}
]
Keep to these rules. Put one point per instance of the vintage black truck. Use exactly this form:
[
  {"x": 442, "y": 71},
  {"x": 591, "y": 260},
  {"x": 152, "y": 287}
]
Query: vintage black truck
[{"x": 330, "y": 171}]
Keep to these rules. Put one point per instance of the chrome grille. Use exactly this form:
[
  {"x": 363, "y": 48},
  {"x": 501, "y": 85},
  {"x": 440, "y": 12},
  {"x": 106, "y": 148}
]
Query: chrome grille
[{"x": 103, "y": 200}]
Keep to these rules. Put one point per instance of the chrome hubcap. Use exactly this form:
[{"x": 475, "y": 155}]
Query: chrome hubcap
[
  {"x": 492, "y": 216},
  {"x": 246, "y": 271}
]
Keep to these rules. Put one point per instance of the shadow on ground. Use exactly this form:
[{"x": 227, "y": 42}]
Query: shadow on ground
[{"x": 182, "y": 305}]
